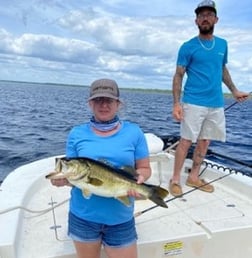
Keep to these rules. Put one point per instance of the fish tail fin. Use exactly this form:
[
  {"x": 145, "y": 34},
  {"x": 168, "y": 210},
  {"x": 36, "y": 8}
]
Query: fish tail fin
[{"x": 157, "y": 196}]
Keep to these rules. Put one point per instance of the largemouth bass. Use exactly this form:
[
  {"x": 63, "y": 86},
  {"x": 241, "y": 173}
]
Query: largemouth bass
[{"x": 96, "y": 177}]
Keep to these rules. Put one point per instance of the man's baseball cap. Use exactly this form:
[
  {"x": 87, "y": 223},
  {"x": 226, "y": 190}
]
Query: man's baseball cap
[
  {"x": 104, "y": 88},
  {"x": 206, "y": 4}
]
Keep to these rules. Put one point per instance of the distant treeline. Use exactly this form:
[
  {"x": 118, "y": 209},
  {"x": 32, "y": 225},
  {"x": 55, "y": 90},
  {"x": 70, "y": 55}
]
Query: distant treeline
[{"x": 226, "y": 95}]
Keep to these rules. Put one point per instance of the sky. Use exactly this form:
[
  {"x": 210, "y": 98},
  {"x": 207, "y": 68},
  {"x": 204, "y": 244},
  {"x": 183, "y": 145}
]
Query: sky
[{"x": 134, "y": 42}]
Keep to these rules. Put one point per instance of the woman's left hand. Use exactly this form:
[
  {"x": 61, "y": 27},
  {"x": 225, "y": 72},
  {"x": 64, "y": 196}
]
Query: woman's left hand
[{"x": 143, "y": 172}]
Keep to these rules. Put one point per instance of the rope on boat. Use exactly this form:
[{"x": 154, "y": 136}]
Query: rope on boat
[{"x": 40, "y": 212}]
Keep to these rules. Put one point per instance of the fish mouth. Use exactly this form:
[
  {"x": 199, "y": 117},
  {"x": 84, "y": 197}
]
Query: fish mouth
[
  {"x": 53, "y": 175},
  {"x": 50, "y": 175}
]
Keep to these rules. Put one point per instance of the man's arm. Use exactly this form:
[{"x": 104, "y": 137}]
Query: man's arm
[
  {"x": 226, "y": 78},
  {"x": 238, "y": 95},
  {"x": 177, "y": 84},
  {"x": 176, "y": 91}
]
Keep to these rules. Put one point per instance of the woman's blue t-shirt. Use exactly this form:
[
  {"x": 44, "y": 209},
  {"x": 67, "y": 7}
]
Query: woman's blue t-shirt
[{"x": 120, "y": 149}]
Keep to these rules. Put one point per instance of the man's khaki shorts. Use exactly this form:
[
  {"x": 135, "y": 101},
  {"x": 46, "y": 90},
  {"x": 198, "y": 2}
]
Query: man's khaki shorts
[{"x": 203, "y": 123}]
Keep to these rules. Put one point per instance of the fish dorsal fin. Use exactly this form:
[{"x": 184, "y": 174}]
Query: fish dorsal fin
[
  {"x": 124, "y": 199},
  {"x": 126, "y": 171},
  {"x": 104, "y": 161},
  {"x": 130, "y": 171}
]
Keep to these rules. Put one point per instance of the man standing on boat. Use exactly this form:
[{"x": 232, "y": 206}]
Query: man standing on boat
[{"x": 203, "y": 58}]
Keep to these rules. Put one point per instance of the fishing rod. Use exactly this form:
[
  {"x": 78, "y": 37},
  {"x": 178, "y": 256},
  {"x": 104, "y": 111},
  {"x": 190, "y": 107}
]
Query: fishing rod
[
  {"x": 228, "y": 107},
  {"x": 207, "y": 164},
  {"x": 190, "y": 191},
  {"x": 210, "y": 152},
  {"x": 233, "y": 104}
]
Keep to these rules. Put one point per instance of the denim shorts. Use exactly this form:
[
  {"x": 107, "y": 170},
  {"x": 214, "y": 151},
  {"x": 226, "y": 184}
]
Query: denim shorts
[{"x": 120, "y": 235}]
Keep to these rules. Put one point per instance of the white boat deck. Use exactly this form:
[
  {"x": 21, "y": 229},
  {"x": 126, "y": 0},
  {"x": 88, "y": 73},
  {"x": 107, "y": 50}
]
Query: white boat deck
[{"x": 209, "y": 225}]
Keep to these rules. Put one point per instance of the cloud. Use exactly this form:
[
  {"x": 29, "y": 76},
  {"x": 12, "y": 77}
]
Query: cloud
[
  {"x": 68, "y": 42},
  {"x": 124, "y": 35}
]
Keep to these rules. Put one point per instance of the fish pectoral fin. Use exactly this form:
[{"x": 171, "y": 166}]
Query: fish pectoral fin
[
  {"x": 86, "y": 193},
  {"x": 124, "y": 199},
  {"x": 95, "y": 181}
]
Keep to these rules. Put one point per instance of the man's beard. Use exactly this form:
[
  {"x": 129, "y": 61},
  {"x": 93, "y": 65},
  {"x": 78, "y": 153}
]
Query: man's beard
[{"x": 206, "y": 31}]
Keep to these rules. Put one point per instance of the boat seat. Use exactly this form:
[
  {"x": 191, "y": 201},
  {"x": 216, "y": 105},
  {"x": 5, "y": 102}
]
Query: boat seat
[{"x": 155, "y": 143}]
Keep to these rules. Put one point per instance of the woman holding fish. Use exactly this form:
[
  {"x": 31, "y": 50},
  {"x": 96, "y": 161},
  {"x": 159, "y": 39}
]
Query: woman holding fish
[{"x": 97, "y": 219}]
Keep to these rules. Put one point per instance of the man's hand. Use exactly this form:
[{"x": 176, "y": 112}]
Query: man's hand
[{"x": 178, "y": 112}]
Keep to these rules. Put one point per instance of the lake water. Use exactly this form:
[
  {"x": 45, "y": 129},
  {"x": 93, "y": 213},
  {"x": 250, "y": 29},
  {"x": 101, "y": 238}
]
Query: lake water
[{"x": 36, "y": 118}]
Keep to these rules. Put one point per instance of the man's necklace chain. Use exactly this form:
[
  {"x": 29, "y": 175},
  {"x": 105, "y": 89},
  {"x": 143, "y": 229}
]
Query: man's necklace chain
[{"x": 207, "y": 48}]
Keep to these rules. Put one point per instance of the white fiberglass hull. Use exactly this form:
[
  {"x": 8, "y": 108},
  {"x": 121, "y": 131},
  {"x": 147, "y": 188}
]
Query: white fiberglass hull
[{"x": 204, "y": 225}]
